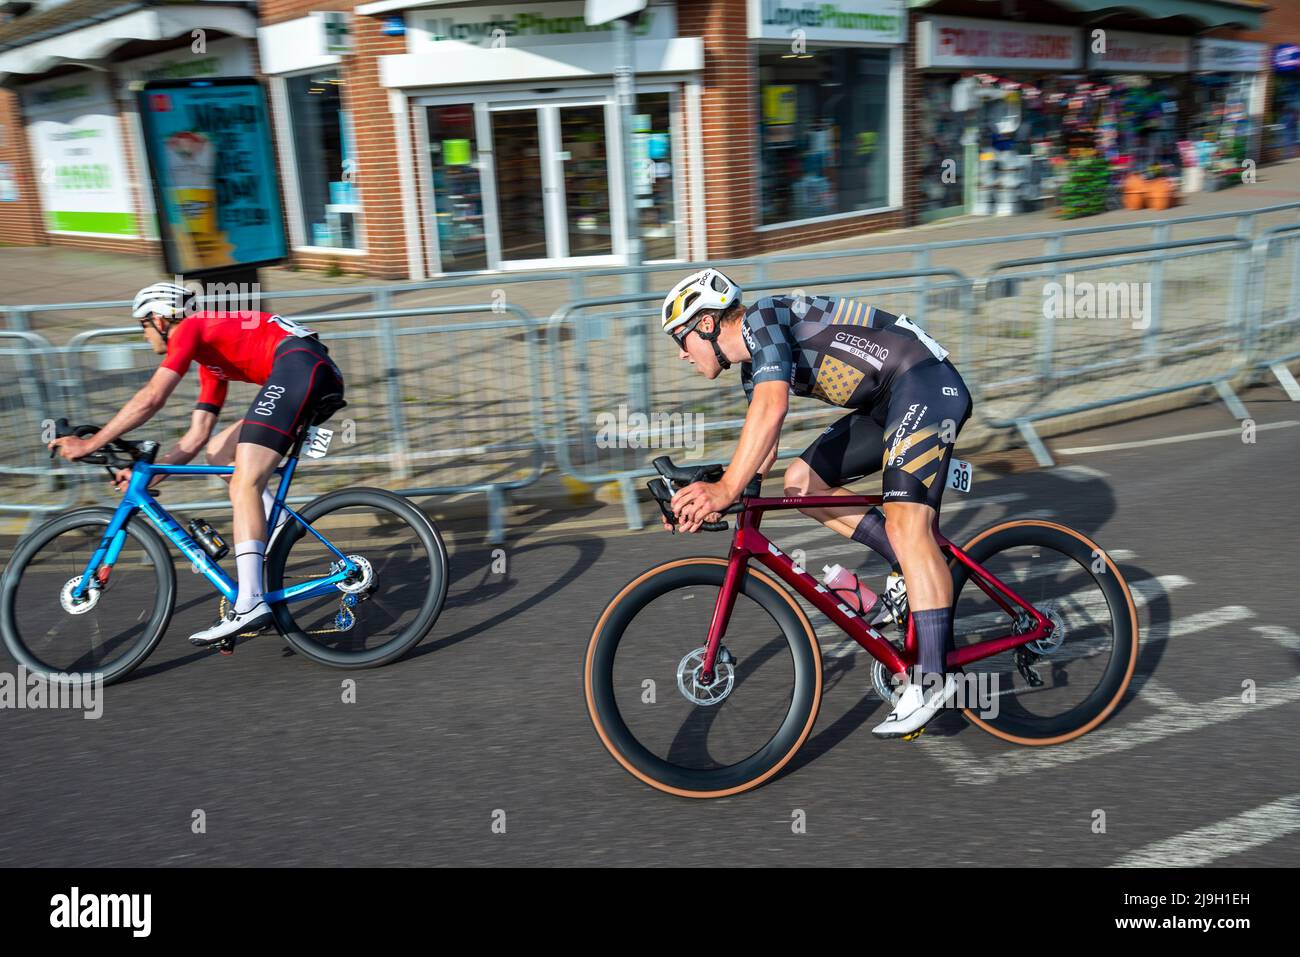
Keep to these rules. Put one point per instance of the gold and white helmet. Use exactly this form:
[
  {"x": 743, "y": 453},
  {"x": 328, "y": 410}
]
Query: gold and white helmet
[{"x": 706, "y": 289}]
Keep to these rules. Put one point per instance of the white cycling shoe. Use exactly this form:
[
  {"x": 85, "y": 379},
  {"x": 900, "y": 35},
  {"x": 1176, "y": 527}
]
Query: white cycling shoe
[
  {"x": 232, "y": 624},
  {"x": 914, "y": 709}
]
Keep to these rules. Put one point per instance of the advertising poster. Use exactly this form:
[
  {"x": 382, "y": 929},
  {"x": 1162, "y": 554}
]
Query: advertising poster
[
  {"x": 75, "y": 135},
  {"x": 214, "y": 175}
]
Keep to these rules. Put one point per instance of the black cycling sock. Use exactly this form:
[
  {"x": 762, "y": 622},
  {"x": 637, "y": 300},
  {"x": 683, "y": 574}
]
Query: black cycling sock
[
  {"x": 871, "y": 532},
  {"x": 933, "y": 634}
]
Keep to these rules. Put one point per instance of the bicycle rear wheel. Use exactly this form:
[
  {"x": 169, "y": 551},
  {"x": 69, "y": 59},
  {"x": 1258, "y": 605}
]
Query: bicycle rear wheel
[
  {"x": 114, "y": 628},
  {"x": 379, "y": 617},
  {"x": 1053, "y": 690},
  {"x": 646, "y": 699}
]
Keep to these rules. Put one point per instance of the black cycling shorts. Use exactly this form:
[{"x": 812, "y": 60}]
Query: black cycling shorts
[
  {"x": 911, "y": 436},
  {"x": 301, "y": 374}
]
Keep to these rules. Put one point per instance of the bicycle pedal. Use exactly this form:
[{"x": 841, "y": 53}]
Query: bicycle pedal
[
  {"x": 226, "y": 646},
  {"x": 915, "y": 734}
]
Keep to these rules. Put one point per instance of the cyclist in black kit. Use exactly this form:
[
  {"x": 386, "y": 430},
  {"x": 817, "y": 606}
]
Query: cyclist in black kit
[{"x": 907, "y": 402}]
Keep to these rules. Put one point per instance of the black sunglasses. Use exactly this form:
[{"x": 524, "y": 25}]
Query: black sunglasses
[{"x": 680, "y": 337}]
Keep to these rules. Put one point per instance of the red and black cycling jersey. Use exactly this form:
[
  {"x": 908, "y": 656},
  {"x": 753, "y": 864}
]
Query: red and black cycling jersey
[{"x": 237, "y": 346}]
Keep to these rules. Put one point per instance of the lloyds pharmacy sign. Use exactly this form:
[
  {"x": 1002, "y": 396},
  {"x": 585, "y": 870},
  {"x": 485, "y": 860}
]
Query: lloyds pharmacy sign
[
  {"x": 864, "y": 21},
  {"x": 527, "y": 25}
]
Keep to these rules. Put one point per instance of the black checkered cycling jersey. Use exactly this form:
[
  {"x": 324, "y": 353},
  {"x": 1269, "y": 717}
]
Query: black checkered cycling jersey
[
  {"x": 908, "y": 402},
  {"x": 839, "y": 350}
]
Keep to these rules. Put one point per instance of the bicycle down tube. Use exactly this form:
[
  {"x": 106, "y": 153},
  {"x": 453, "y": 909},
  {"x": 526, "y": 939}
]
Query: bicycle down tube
[
  {"x": 137, "y": 498},
  {"x": 750, "y": 543}
]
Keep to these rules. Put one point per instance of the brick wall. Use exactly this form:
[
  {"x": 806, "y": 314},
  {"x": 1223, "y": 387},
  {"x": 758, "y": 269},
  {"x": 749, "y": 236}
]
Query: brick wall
[{"x": 20, "y": 221}]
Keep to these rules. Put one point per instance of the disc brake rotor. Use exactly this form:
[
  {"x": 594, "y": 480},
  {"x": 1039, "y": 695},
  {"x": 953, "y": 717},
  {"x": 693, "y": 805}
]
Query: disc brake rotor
[
  {"x": 1053, "y": 642},
  {"x": 71, "y": 605},
  {"x": 690, "y": 679}
]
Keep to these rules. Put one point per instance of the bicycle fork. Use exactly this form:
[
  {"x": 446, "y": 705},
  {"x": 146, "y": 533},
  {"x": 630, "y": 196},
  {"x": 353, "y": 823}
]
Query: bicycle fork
[{"x": 736, "y": 563}]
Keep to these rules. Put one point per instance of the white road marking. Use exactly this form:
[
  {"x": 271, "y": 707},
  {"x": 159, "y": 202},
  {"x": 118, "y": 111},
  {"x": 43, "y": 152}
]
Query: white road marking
[
  {"x": 1205, "y": 845},
  {"x": 1159, "y": 695},
  {"x": 1170, "y": 439},
  {"x": 1282, "y": 635},
  {"x": 1079, "y": 473},
  {"x": 1175, "y": 719}
]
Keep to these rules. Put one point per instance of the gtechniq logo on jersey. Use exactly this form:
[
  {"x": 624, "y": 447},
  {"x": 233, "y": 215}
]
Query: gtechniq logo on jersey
[{"x": 77, "y": 910}]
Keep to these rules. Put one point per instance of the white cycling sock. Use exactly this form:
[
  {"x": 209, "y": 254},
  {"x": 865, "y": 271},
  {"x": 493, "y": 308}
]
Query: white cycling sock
[{"x": 248, "y": 560}]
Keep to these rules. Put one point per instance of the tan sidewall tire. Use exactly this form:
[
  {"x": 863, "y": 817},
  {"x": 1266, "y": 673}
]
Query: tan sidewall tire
[
  {"x": 593, "y": 712},
  {"x": 974, "y": 719}
]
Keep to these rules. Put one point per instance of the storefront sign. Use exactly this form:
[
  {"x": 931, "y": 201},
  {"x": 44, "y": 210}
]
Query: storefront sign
[
  {"x": 964, "y": 43},
  {"x": 226, "y": 57},
  {"x": 1231, "y": 56},
  {"x": 75, "y": 133},
  {"x": 526, "y": 25},
  {"x": 1140, "y": 53},
  {"x": 215, "y": 182},
  {"x": 1286, "y": 58},
  {"x": 336, "y": 26},
  {"x": 862, "y": 21}
]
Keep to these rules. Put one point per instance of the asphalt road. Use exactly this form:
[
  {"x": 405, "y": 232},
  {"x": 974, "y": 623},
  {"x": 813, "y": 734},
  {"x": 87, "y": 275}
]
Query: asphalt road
[{"x": 485, "y": 722}]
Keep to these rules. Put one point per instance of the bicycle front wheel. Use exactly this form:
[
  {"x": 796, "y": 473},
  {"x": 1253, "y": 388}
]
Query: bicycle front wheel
[
  {"x": 647, "y": 698},
  {"x": 114, "y": 627},
  {"x": 394, "y": 602}
]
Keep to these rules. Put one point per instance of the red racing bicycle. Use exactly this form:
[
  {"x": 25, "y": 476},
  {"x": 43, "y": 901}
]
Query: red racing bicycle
[{"x": 704, "y": 675}]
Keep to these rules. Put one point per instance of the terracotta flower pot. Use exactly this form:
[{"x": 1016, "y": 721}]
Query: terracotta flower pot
[
  {"x": 1135, "y": 191},
  {"x": 1160, "y": 193}
]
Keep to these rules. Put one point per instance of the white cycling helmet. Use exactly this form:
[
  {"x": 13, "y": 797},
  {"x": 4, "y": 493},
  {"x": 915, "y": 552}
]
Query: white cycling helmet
[
  {"x": 706, "y": 289},
  {"x": 168, "y": 299}
]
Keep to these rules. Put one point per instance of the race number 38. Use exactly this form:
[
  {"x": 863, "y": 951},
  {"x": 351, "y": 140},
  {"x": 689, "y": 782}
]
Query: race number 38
[
  {"x": 960, "y": 474},
  {"x": 291, "y": 327}
]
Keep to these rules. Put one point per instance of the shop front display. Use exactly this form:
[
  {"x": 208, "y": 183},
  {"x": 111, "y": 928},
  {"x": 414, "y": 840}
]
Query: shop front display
[
  {"x": 1284, "y": 109},
  {"x": 824, "y": 133},
  {"x": 994, "y": 115},
  {"x": 74, "y": 129},
  {"x": 827, "y": 101}
]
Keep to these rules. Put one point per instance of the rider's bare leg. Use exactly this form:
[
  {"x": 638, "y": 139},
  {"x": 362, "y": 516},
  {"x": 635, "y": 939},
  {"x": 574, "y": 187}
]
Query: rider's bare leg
[
  {"x": 221, "y": 451},
  {"x": 253, "y": 466}
]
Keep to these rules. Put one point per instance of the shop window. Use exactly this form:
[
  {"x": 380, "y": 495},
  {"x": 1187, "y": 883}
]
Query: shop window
[
  {"x": 824, "y": 133},
  {"x": 327, "y": 192},
  {"x": 457, "y": 187},
  {"x": 653, "y": 175}
]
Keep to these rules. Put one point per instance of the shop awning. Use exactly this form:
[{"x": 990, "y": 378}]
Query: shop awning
[
  {"x": 461, "y": 64},
  {"x": 81, "y": 31},
  {"x": 1242, "y": 14}
]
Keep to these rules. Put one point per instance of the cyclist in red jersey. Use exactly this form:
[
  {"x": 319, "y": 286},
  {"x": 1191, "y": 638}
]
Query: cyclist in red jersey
[{"x": 295, "y": 372}]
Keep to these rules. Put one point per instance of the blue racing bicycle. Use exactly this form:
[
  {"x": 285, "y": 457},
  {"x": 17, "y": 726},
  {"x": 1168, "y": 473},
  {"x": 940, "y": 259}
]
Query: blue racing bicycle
[{"x": 354, "y": 580}]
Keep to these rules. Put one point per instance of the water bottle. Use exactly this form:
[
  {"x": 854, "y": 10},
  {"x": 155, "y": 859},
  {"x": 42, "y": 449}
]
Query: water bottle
[
  {"x": 209, "y": 539},
  {"x": 848, "y": 587}
]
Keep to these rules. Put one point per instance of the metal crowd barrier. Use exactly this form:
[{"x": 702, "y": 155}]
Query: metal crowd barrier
[
  {"x": 611, "y": 369},
  {"x": 439, "y": 403},
  {"x": 1182, "y": 326},
  {"x": 1274, "y": 336},
  {"x": 548, "y": 289}
]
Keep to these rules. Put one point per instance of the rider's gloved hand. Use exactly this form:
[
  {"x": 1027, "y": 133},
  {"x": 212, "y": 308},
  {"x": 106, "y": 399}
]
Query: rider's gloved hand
[{"x": 120, "y": 478}]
